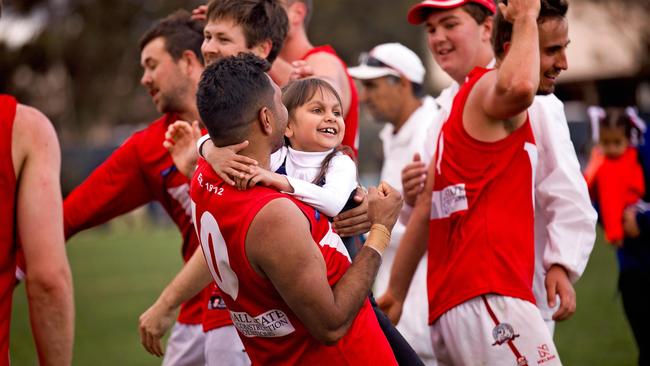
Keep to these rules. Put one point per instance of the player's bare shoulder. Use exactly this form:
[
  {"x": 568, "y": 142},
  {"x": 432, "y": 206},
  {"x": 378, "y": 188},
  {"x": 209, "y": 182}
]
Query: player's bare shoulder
[{"x": 33, "y": 134}]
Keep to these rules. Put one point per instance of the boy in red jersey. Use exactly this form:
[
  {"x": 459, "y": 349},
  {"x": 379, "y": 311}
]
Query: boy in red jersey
[
  {"x": 30, "y": 212},
  {"x": 298, "y": 58},
  {"x": 472, "y": 205},
  {"x": 286, "y": 277}
]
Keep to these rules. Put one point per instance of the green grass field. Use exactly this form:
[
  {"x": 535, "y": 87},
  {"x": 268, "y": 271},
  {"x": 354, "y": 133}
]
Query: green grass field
[{"x": 119, "y": 270}]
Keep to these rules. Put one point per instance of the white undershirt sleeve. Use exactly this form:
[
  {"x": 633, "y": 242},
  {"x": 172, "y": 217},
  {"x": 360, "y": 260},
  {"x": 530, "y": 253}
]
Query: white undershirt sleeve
[{"x": 561, "y": 194}]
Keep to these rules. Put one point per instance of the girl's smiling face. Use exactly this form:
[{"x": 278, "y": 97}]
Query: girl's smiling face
[{"x": 317, "y": 125}]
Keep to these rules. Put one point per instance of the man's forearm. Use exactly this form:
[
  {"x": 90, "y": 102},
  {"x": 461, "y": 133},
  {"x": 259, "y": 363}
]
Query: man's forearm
[
  {"x": 409, "y": 252},
  {"x": 51, "y": 310},
  {"x": 353, "y": 288},
  {"x": 192, "y": 278}
]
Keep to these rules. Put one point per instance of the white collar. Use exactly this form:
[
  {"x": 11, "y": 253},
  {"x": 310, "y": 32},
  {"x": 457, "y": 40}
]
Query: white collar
[{"x": 307, "y": 159}]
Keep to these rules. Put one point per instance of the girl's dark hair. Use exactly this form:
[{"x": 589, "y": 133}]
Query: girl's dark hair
[
  {"x": 617, "y": 118},
  {"x": 298, "y": 93}
]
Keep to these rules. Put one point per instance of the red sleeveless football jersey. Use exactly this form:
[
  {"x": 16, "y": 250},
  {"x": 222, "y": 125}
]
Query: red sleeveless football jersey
[
  {"x": 481, "y": 228},
  {"x": 351, "y": 137},
  {"x": 7, "y": 218},
  {"x": 272, "y": 334}
]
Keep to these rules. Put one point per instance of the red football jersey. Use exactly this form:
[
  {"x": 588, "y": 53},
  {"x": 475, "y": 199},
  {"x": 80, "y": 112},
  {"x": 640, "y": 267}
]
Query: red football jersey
[
  {"x": 7, "y": 217},
  {"x": 481, "y": 228},
  {"x": 272, "y": 334},
  {"x": 351, "y": 137},
  {"x": 138, "y": 172}
]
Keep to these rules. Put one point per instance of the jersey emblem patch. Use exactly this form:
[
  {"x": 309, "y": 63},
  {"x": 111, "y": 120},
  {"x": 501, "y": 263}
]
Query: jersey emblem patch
[
  {"x": 448, "y": 200},
  {"x": 503, "y": 333},
  {"x": 216, "y": 303}
]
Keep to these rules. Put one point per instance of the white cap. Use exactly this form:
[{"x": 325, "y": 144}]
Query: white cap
[{"x": 390, "y": 59}]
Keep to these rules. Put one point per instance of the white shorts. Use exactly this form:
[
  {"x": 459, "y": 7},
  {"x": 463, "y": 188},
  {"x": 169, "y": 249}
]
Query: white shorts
[
  {"x": 493, "y": 330},
  {"x": 185, "y": 346},
  {"x": 224, "y": 348}
]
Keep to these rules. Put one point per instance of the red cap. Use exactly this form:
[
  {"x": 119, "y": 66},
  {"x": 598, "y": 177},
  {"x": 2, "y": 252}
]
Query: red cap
[{"x": 417, "y": 14}]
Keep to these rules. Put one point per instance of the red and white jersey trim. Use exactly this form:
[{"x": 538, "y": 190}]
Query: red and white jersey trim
[{"x": 332, "y": 240}]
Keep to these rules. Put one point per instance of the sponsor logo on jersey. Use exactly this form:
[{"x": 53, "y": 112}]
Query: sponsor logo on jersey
[
  {"x": 545, "y": 354},
  {"x": 448, "y": 200},
  {"x": 503, "y": 333},
  {"x": 273, "y": 323}
]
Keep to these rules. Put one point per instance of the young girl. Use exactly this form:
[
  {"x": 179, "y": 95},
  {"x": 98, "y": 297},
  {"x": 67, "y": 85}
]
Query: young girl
[
  {"x": 616, "y": 180},
  {"x": 614, "y": 175}
]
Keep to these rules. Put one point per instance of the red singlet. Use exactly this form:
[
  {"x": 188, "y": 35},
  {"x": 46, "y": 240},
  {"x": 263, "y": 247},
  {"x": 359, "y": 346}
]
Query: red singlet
[{"x": 481, "y": 227}]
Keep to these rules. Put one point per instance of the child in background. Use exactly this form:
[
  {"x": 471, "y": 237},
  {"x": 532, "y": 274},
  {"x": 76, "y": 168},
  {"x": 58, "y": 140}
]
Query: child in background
[{"x": 614, "y": 175}]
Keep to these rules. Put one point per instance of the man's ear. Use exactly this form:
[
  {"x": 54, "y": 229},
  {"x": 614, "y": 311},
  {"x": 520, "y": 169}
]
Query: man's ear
[
  {"x": 263, "y": 49},
  {"x": 486, "y": 29},
  {"x": 266, "y": 120},
  {"x": 506, "y": 47},
  {"x": 189, "y": 62}
]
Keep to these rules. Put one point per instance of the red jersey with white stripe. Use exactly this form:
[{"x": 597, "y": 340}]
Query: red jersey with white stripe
[
  {"x": 351, "y": 137},
  {"x": 138, "y": 172},
  {"x": 272, "y": 334},
  {"x": 481, "y": 228},
  {"x": 8, "y": 219}
]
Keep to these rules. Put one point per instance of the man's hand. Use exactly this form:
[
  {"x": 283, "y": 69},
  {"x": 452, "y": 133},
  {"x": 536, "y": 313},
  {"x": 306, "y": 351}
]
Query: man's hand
[
  {"x": 153, "y": 324},
  {"x": 384, "y": 205},
  {"x": 558, "y": 283},
  {"x": 355, "y": 221},
  {"x": 180, "y": 141},
  {"x": 391, "y": 307},
  {"x": 227, "y": 163},
  {"x": 519, "y": 8},
  {"x": 414, "y": 175}
]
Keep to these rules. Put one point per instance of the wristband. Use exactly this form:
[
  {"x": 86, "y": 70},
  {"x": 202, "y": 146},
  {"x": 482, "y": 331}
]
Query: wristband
[
  {"x": 378, "y": 238},
  {"x": 199, "y": 144}
]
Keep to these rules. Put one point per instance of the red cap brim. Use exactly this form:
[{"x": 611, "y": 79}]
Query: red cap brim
[{"x": 419, "y": 12}]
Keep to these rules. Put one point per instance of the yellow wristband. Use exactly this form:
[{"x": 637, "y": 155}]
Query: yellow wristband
[{"x": 378, "y": 238}]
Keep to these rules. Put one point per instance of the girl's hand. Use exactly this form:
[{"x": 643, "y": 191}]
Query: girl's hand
[
  {"x": 263, "y": 177},
  {"x": 225, "y": 161},
  {"x": 630, "y": 226},
  {"x": 180, "y": 141}
]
